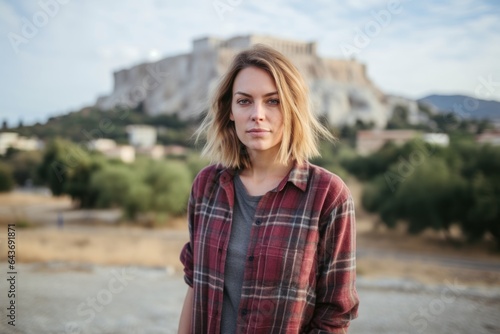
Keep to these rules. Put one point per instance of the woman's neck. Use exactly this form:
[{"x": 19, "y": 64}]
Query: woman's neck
[{"x": 264, "y": 175}]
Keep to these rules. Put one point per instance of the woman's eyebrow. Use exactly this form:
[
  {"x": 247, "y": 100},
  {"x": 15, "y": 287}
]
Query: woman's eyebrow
[{"x": 265, "y": 95}]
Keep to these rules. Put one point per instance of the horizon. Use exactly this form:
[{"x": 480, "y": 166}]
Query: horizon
[{"x": 410, "y": 49}]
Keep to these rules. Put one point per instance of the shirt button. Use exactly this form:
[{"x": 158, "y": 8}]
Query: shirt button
[
  {"x": 250, "y": 258},
  {"x": 244, "y": 311},
  {"x": 258, "y": 222}
]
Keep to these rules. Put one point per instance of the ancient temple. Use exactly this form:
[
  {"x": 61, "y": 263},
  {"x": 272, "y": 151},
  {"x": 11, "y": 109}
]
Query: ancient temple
[{"x": 340, "y": 88}]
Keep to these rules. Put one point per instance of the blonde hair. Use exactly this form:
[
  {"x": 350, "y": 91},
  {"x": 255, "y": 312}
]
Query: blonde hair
[{"x": 301, "y": 129}]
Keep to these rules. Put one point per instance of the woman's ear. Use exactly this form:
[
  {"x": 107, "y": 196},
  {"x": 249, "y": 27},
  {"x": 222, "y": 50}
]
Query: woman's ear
[{"x": 231, "y": 117}]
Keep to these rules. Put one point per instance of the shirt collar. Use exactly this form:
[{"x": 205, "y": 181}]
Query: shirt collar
[{"x": 298, "y": 176}]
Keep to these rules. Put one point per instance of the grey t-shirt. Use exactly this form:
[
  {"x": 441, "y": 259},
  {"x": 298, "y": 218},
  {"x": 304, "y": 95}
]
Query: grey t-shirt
[{"x": 243, "y": 215}]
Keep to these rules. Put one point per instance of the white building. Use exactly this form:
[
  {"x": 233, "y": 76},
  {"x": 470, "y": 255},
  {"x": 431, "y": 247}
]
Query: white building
[
  {"x": 141, "y": 135},
  {"x": 7, "y": 139},
  {"x": 12, "y": 139},
  {"x": 441, "y": 139},
  {"x": 125, "y": 153},
  {"x": 110, "y": 149},
  {"x": 102, "y": 144}
]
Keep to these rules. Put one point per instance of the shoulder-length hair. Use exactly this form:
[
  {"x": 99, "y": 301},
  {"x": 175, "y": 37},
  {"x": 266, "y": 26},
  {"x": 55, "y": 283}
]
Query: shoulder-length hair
[{"x": 301, "y": 129}]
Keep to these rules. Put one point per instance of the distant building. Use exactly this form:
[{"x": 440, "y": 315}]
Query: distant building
[
  {"x": 370, "y": 141},
  {"x": 154, "y": 152},
  {"x": 110, "y": 149},
  {"x": 28, "y": 144},
  {"x": 12, "y": 139},
  {"x": 7, "y": 139},
  {"x": 141, "y": 135},
  {"x": 491, "y": 137},
  {"x": 243, "y": 42},
  {"x": 125, "y": 153},
  {"x": 441, "y": 139},
  {"x": 102, "y": 144},
  {"x": 175, "y": 150},
  {"x": 340, "y": 88}
]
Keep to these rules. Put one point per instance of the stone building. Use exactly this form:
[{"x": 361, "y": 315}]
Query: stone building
[
  {"x": 242, "y": 42},
  {"x": 340, "y": 88}
]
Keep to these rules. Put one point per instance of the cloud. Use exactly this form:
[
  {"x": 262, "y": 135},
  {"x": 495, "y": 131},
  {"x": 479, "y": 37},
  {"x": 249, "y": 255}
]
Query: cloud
[{"x": 442, "y": 46}]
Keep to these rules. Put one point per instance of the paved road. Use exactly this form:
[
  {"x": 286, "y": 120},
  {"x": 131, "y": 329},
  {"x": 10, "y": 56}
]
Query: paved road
[{"x": 78, "y": 299}]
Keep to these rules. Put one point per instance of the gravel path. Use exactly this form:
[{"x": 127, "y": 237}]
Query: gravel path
[{"x": 62, "y": 298}]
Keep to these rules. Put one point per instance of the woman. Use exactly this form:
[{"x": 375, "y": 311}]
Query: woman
[{"x": 272, "y": 237}]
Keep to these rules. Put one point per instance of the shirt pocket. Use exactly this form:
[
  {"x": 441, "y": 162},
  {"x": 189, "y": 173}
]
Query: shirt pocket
[{"x": 282, "y": 268}]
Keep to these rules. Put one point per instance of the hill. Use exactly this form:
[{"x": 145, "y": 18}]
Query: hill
[
  {"x": 341, "y": 90},
  {"x": 91, "y": 123},
  {"x": 466, "y": 106}
]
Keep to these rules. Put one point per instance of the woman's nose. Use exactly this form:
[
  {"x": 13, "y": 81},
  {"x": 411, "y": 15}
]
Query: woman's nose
[{"x": 258, "y": 112}]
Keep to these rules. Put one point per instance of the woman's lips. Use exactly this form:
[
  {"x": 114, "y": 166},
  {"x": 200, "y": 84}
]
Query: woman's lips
[{"x": 258, "y": 131}]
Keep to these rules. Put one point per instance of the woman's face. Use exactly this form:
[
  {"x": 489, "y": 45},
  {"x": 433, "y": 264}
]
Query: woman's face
[{"x": 256, "y": 110}]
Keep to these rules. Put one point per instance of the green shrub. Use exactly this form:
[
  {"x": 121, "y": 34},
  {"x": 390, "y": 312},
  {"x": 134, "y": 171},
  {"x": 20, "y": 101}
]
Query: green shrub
[{"x": 6, "y": 178}]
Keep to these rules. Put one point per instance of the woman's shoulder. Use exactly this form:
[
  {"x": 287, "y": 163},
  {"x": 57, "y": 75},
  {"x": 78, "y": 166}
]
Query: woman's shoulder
[
  {"x": 336, "y": 189},
  {"x": 208, "y": 175}
]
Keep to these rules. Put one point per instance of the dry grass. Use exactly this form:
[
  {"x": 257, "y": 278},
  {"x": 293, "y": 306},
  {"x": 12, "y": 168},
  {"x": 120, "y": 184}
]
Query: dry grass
[
  {"x": 427, "y": 273},
  {"x": 160, "y": 245},
  {"x": 100, "y": 245}
]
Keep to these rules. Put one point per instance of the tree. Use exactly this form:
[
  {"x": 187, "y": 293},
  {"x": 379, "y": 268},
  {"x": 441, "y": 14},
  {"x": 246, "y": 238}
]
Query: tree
[
  {"x": 332, "y": 155},
  {"x": 399, "y": 119},
  {"x": 483, "y": 203},
  {"x": 366, "y": 168},
  {"x": 66, "y": 168},
  {"x": 6, "y": 179},
  {"x": 111, "y": 185},
  {"x": 137, "y": 200},
  {"x": 52, "y": 170},
  {"x": 195, "y": 164},
  {"x": 434, "y": 187},
  {"x": 171, "y": 184},
  {"x": 432, "y": 197},
  {"x": 79, "y": 179},
  {"x": 24, "y": 166},
  {"x": 484, "y": 209}
]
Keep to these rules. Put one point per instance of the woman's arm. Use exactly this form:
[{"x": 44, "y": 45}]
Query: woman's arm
[
  {"x": 337, "y": 300},
  {"x": 186, "y": 314}
]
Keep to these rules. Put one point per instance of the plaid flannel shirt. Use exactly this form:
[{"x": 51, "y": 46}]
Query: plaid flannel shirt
[{"x": 301, "y": 270}]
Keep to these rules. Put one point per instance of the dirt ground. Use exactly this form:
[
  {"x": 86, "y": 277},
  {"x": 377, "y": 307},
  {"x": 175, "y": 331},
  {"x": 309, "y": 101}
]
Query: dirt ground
[
  {"x": 407, "y": 284},
  {"x": 103, "y": 240}
]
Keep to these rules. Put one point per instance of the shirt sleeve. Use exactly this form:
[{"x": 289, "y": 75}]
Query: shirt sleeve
[
  {"x": 186, "y": 255},
  {"x": 336, "y": 296}
]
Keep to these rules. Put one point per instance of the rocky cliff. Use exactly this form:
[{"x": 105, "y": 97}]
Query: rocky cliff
[{"x": 340, "y": 89}]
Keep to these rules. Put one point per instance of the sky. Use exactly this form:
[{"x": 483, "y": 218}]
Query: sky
[{"x": 58, "y": 56}]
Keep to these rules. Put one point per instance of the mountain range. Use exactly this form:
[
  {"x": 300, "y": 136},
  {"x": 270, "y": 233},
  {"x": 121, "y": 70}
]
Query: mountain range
[{"x": 464, "y": 106}]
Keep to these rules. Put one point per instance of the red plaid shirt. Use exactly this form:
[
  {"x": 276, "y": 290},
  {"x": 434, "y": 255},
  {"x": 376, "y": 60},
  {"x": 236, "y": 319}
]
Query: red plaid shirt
[{"x": 301, "y": 270}]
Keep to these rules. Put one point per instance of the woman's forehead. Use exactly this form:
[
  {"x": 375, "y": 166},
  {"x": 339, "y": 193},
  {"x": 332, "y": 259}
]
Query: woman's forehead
[{"x": 254, "y": 81}]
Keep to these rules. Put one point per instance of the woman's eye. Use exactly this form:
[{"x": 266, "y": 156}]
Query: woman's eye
[
  {"x": 243, "y": 101},
  {"x": 274, "y": 101}
]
